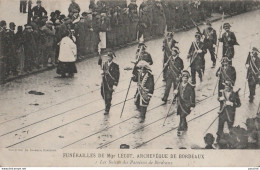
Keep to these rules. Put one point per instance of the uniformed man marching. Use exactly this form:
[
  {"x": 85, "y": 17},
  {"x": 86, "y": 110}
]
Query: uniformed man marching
[
  {"x": 210, "y": 40},
  {"x": 185, "y": 101},
  {"x": 196, "y": 55},
  {"x": 142, "y": 55},
  {"x": 229, "y": 40},
  {"x": 253, "y": 72},
  {"x": 174, "y": 69},
  {"x": 229, "y": 101},
  {"x": 110, "y": 79},
  {"x": 168, "y": 43},
  {"x": 225, "y": 73},
  {"x": 145, "y": 87}
]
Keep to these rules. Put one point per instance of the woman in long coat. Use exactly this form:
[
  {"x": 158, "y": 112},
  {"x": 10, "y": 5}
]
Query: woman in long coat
[{"x": 67, "y": 56}]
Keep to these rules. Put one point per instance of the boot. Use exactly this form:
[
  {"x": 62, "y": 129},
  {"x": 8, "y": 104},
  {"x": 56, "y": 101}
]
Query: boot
[{"x": 251, "y": 99}]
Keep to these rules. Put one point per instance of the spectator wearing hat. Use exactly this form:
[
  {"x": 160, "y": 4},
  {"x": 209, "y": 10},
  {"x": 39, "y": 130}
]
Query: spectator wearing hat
[
  {"x": 229, "y": 40},
  {"x": 67, "y": 56},
  {"x": 225, "y": 73},
  {"x": 38, "y": 10},
  {"x": 110, "y": 78},
  {"x": 229, "y": 101},
  {"x": 2, "y": 51},
  {"x": 73, "y": 8},
  {"x": 133, "y": 16},
  {"x": 23, "y": 4},
  {"x": 49, "y": 46},
  {"x": 185, "y": 95},
  {"x": 3, "y": 31},
  {"x": 11, "y": 55},
  {"x": 210, "y": 41},
  {"x": 81, "y": 36},
  {"x": 159, "y": 19},
  {"x": 174, "y": 69},
  {"x": 196, "y": 55},
  {"x": 253, "y": 72},
  {"x": 30, "y": 48},
  {"x": 43, "y": 21},
  {"x": 145, "y": 88}
]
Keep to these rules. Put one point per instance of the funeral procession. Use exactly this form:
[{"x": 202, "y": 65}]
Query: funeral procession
[{"x": 130, "y": 74}]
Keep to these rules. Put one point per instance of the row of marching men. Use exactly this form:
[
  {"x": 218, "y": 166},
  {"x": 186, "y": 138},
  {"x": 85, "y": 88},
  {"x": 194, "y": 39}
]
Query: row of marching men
[{"x": 174, "y": 74}]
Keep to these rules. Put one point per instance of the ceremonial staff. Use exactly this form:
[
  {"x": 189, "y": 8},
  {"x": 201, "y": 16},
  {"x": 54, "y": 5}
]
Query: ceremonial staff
[
  {"x": 174, "y": 97},
  {"x": 131, "y": 81},
  {"x": 220, "y": 31},
  {"x": 249, "y": 53}
]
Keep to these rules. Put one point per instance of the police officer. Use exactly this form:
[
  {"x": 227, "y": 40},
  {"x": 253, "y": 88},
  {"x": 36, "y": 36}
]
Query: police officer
[
  {"x": 253, "y": 71},
  {"x": 210, "y": 40},
  {"x": 229, "y": 101},
  {"x": 229, "y": 40},
  {"x": 185, "y": 94},
  {"x": 225, "y": 73},
  {"x": 196, "y": 55},
  {"x": 174, "y": 69},
  {"x": 110, "y": 79},
  {"x": 145, "y": 87}
]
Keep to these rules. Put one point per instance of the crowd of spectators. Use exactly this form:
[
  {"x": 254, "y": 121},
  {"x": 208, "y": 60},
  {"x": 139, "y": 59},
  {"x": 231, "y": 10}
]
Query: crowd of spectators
[{"x": 107, "y": 24}]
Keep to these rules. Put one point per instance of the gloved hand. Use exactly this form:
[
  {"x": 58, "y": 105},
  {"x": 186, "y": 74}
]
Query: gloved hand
[
  {"x": 199, "y": 51},
  {"x": 247, "y": 66},
  {"x": 221, "y": 98},
  {"x": 175, "y": 92},
  {"x": 229, "y": 103}
]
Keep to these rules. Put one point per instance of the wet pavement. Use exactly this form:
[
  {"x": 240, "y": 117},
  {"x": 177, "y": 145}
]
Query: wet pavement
[{"x": 69, "y": 112}]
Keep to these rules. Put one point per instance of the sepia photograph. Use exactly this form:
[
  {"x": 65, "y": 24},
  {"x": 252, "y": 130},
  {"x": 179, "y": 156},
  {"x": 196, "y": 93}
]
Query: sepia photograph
[{"x": 129, "y": 83}]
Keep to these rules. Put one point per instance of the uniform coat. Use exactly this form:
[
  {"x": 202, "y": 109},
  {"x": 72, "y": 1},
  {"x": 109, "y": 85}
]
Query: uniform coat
[
  {"x": 210, "y": 40},
  {"x": 227, "y": 112},
  {"x": 145, "y": 89},
  {"x": 185, "y": 100},
  {"x": 38, "y": 11},
  {"x": 111, "y": 75},
  {"x": 174, "y": 68},
  {"x": 228, "y": 74},
  {"x": 253, "y": 73},
  {"x": 197, "y": 60},
  {"x": 229, "y": 40}
]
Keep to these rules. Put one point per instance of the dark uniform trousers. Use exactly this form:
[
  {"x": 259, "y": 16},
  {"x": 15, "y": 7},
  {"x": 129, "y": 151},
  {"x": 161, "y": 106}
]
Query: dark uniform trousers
[
  {"x": 228, "y": 74},
  {"x": 229, "y": 40},
  {"x": 253, "y": 73},
  {"x": 227, "y": 112},
  {"x": 23, "y": 4},
  {"x": 145, "y": 82},
  {"x": 197, "y": 60},
  {"x": 209, "y": 41},
  {"x": 185, "y": 100},
  {"x": 110, "y": 78},
  {"x": 173, "y": 72}
]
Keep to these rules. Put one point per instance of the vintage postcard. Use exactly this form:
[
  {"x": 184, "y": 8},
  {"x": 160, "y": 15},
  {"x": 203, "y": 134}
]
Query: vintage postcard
[{"x": 129, "y": 83}]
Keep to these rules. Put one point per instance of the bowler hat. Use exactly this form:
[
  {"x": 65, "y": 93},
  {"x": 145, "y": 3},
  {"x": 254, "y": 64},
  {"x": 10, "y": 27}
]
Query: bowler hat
[
  {"x": 12, "y": 24},
  {"x": 185, "y": 73},
  {"x": 226, "y": 25},
  {"x": 255, "y": 49}
]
